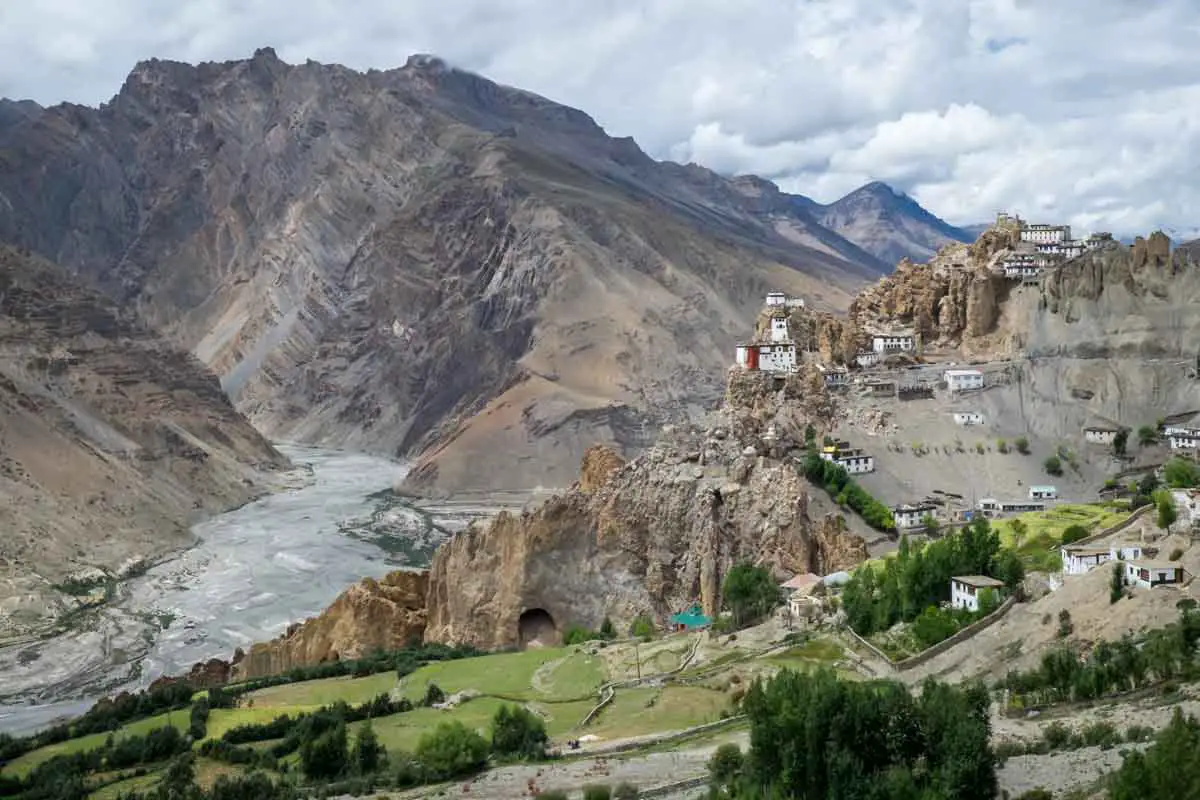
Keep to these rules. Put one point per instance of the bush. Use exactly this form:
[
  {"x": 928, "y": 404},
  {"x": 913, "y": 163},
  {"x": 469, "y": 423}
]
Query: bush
[
  {"x": 1147, "y": 436},
  {"x": 553, "y": 794},
  {"x": 642, "y": 627},
  {"x": 1022, "y": 445},
  {"x": 625, "y": 791},
  {"x": 325, "y": 756},
  {"x": 1180, "y": 473},
  {"x": 1037, "y": 794},
  {"x": 725, "y": 765},
  {"x": 452, "y": 750},
  {"x": 607, "y": 631},
  {"x": 1100, "y": 734},
  {"x": 1116, "y": 582},
  {"x": 577, "y": 634},
  {"x": 1056, "y": 735},
  {"x": 1065, "y": 626},
  {"x": 518, "y": 733},
  {"x": 367, "y": 754},
  {"x": 1001, "y": 446},
  {"x": 597, "y": 791},
  {"x": 1074, "y": 533},
  {"x": 1139, "y": 733},
  {"x": 1120, "y": 441},
  {"x": 433, "y": 695},
  {"x": 980, "y": 448},
  {"x": 1176, "y": 554},
  {"x": 1053, "y": 466}
]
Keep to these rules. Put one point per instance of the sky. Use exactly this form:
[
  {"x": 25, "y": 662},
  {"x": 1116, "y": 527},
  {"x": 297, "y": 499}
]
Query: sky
[{"x": 1079, "y": 111}]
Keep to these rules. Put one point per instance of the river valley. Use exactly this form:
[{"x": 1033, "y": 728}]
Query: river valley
[{"x": 252, "y": 572}]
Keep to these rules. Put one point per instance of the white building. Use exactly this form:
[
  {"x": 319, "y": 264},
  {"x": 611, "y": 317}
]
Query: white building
[
  {"x": 868, "y": 359},
  {"x": 779, "y": 328},
  {"x": 834, "y": 376},
  {"x": 1183, "y": 438},
  {"x": 968, "y": 418},
  {"x": 910, "y": 516},
  {"x": 1045, "y": 234},
  {"x": 965, "y": 589},
  {"x": 1022, "y": 269},
  {"x": 892, "y": 342},
  {"x": 1073, "y": 249},
  {"x": 991, "y": 506},
  {"x": 1043, "y": 492},
  {"x": 1147, "y": 574},
  {"x": 958, "y": 380},
  {"x": 776, "y": 299},
  {"x": 780, "y": 357},
  {"x": 1100, "y": 434},
  {"x": 854, "y": 461},
  {"x": 1079, "y": 559}
]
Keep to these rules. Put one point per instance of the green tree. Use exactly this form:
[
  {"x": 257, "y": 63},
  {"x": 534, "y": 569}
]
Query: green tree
[
  {"x": 725, "y": 766},
  {"x": 367, "y": 753},
  {"x": 452, "y": 750},
  {"x": 1168, "y": 768},
  {"x": 433, "y": 695},
  {"x": 1007, "y": 567},
  {"x": 324, "y": 757},
  {"x": 930, "y": 524},
  {"x": 1053, "y": 466},
  {"x": 607, "y": 631},
  {"x": 642, "y": 627},
  {"x": 1074, "y": 533},
  {"x": 1166, "y": 510},
  {"x": 1022, "y": 445},
  {"x": 518, "y": 733},
  {"x": 625, "y": 791},
  {"x": 749, "y": 593},
  {"x": 1147, "y": 436},
  {"x": 1116, "y": 582},
  {"x": 597, "y": 791},
  {"x": 1180, "y": 473},
  {"x": 1120, "y": 441}
]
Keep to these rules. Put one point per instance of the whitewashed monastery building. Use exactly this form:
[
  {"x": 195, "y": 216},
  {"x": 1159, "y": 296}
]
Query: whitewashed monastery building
[
  {"x": 965, "y": 590},
  {"x": 961, "y": 380}
]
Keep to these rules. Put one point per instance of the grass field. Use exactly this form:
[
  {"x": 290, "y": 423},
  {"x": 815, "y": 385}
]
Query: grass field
[
  {"x": 512, "y": 675},
  {"x": 312, "y": 694},
  {"x": 1043, "y": 531},
  {"x": 637, "y": 712},
  {"x": 27, "y": 762},
  {"x": 222, "y": 719},
  {"x": 139, "y": 784}
]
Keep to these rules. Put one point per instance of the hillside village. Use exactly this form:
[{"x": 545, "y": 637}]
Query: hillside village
[{"x": 890, "y": 377}]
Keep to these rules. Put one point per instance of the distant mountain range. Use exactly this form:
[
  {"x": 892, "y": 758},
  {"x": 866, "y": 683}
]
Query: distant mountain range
[{"x": 422, "y": 262}]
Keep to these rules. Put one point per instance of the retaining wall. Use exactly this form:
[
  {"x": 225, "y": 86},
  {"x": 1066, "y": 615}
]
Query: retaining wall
[{"x": 1120, "y": 526}]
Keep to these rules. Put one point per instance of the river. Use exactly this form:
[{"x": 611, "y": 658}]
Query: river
[{"x": 252, "y": 572}]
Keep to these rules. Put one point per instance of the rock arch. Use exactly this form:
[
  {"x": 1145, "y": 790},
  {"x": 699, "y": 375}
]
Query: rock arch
[{"x": 536, "y": 628}]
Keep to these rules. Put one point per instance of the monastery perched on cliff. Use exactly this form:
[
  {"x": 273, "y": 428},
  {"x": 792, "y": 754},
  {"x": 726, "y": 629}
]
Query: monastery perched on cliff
[{"x": 1040, "y": 246}]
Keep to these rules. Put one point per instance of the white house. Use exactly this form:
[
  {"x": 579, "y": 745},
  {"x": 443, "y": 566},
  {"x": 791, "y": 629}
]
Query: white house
[
  {"x": 779, "y": 328},
  {"x": 868, "y": 359},
  {"x": 965, "y": 589},
  {"x": 1022, "y": 270},
  {"x": 990, "y": 505},
  {"x": 1147, "y": 574},
  {"x": 1183, "y": 438},
  {"x": 892, "y": 342},
  {"x": 1043, "y": 492},
  {"x": 912, "y": 515},
  {"x": 1100, "y": 434},
  {"x": 854, "y": 461},
  {"x": 958, "y": 380},
  {"x": 776, "y": 299},
  {"x": 778, "y": 357},
  {"x": 1044, "y": 234},
  {"x": 968, "y": 418},
  {"x": 1073, "y": 249},
  {"x": 1081, "y": 558},
  {"x": 1078, "y": 559}
]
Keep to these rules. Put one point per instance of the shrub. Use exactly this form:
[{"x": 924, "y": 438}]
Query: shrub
[
  {"x": 1065, "y": 626},
  {"x": 1139, "y": 733},
  {"x": 1056, "y": 735},
  {"x": 642, "y": 627},
  {"x": 1022, "y": 445},
  {"x": 607, "y": 631},
  {"x": 725, "y": 765},
  {"x": 553, "y": 794},
  {"x": 1120, "y": 441},
  {"x": 1001, "y": 446},
  {"x": 1100, "y": 734},
  {"x": 325, "y": 756},
  {"x": 433, "y": 695},
  {"x": 1053, "y": 466},
  {"x": 1074, "y": 533},
  {"x": 1147, "y": 435},
  {"x": 1176, "y": 554},
  {"x": 597, "y": 791},
  {"x": 625, "y": 791},
  {"x": 452, "y": 750},
  {"x": 519, "y": 733},
  {"x": 367, "y": 754},
  {"x": 1180, "y": 473},
  {"x": 979, "y": 448},
  {"x": 1036, "y": 794},
  {"x": 1116, "y": 582}
]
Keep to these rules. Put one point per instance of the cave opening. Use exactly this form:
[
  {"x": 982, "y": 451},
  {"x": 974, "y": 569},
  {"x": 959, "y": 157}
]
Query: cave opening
[{"x": 536, "y": 628}]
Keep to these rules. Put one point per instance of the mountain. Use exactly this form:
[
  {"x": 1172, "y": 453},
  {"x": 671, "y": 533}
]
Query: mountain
[
  {"x": 889, "y": 224},
  {"x": 417, "y": 262},
  {"x": 111, "y": 442}
]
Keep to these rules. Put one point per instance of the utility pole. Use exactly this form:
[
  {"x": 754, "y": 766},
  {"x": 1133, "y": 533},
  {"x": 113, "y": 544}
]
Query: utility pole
[{"x": 637, "y": 655}]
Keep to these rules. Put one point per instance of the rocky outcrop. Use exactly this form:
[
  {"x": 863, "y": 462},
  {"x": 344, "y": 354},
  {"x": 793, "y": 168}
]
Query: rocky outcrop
[
  {"x": 372, "y": 615},
  {"x": 654, "y": 536},
  {"x": 112, "y": 441}
]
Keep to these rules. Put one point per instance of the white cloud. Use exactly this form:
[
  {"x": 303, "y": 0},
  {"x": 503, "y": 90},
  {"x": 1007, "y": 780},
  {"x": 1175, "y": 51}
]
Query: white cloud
[{"x": 1085, "y": 111}]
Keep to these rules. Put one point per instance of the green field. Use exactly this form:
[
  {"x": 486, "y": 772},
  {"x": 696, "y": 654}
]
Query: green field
[
  {"x": 637, "y": 712},
  {"x": 1037, "y": 546},
  {"x": 22, "y": 766},
  {"x": 313, "y": 694},
  {"x": 514, "y": 675}
]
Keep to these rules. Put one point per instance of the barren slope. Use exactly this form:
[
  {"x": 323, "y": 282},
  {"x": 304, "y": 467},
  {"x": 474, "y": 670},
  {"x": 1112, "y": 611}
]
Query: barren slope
[{"x": 111, "y": 441}]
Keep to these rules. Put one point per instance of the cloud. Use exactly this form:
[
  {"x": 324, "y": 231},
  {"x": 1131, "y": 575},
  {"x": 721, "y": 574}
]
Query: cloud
[{"x": 1087, "y": 112}]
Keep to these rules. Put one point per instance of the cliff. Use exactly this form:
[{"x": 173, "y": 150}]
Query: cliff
[
  {"x": 650, "y": 536},
  {"x": 112, "y": 441},
  {"x": 372, "y": 615}
]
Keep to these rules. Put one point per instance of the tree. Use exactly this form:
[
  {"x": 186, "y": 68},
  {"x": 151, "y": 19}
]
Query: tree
[
  {"x": 452, "y": 750},
  {"x": 749, "y": 592},
  {"x": 1168, "y": 768},
  {"x": 725, "y": 766},
  {"x": 518, "y": 733},
  {"x": 324, "y": 757},
  {"x": 1007, "y": 567},
  {"x": 1180, "y": 473},
  {"x": 1022, "y": 445},
  {"x": 930, "y": 524},
  {"x": 1166, "y": 510},
  {"x": 642, "y": 627},
  {"x": 1147, "y": 436},
  {"x": 597, "y": 791},
  {"x": 625, "y": 791},
  {"x": 1053, "y": 466},
  {"x": 607, "y": 631},
  {"x": 367, "y": 754},
  {"x": 434, "y": 695},
  {"x": 1120, "y": 441},
  {"x": 1074, "y": 533},
  {"x": 1116, "y": 582}
]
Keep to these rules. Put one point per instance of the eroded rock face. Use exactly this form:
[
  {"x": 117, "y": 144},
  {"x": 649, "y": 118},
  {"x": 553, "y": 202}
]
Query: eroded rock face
[
  {"x": 383, "y": 614},
  {"x": 654, "y": 536}
]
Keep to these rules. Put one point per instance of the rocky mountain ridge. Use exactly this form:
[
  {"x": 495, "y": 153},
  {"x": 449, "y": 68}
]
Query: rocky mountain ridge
[
  {"x": 112, "y": 441},
  {"x": 417, "y": 262}
]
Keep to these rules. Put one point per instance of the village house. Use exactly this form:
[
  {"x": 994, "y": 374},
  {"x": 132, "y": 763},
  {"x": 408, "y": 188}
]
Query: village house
[
  {"x": 901, "y": 342},
  {"x": 1045, "y": 234},
  {"x": 1079, "y": 559},
  {"x": 780, "y": 357},
  {"x": 1100, "y": 434},
  {"x": 1043, "y": 492},
  {"x": 912, "y": 515},
  {"x": 799, "y": 591},
  {"x": 959, "y": 380},
  {"x": 965, "y": 589},
  {"x": 1147, "y": 574},
  {"x": 1022, "y": 267},
  {"x": 990, "y": 506},
  {"x": 781, "y": 300},
  {"x": 834, "y": 376},
  {"x": 866, "y": 360},
  {"x": 968, "y": 418},
  {"x": 1183, "y": 438},
  {"x": 881, "y": 388},
  {"x": 853, "y": 460}
]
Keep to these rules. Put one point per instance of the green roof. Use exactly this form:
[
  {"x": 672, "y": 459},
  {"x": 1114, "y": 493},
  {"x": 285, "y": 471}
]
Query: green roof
[{"x": 692, "y": 618}]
